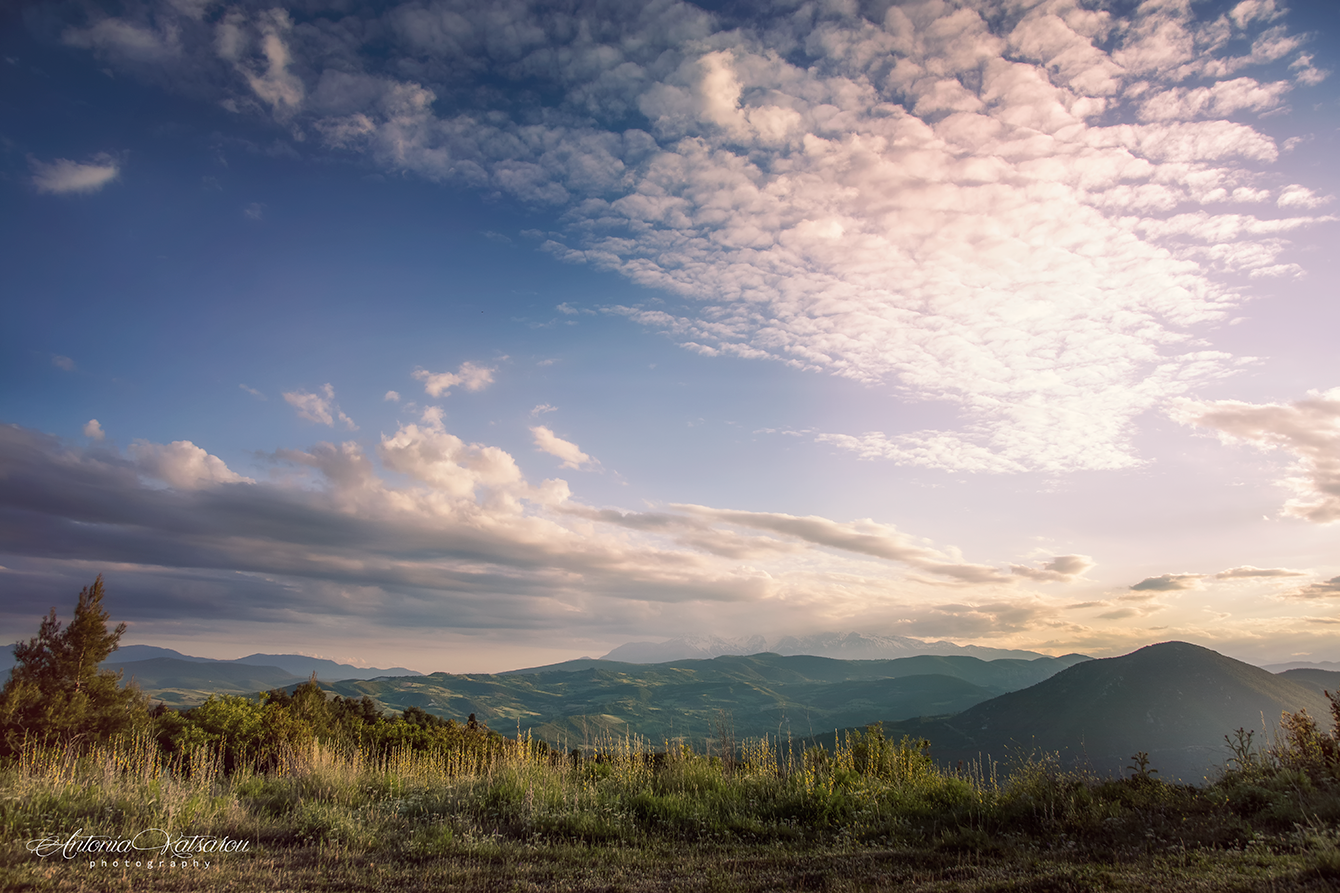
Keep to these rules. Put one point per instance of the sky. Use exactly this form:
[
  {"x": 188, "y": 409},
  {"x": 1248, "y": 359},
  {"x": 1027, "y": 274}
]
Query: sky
[{"x": 465, "y": 336}]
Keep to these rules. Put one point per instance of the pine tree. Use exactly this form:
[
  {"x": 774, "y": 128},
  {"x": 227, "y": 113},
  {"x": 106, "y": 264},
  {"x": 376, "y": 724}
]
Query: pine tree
[{"x": 56, "y": 690}]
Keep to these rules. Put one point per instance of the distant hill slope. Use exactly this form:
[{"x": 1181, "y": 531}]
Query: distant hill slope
[
  {"x": 844, "y": 646},
  {"x": 1174, "y": 700},
  {"x": 302, "y": 665},
  {"x": 183, "y": 683},
  {"x": 1317, "y": 680},
  {"x": 1006, "y": 673},
  {"x": 1303, "y": 664},
  {"x": 180, "y": 680},
  {"x": 757, "y": 694},
  {"x": 128, "y": 653}
]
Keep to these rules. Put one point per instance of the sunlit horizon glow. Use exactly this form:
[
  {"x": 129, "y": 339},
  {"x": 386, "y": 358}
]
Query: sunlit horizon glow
[{"x": 469, "y": 336}]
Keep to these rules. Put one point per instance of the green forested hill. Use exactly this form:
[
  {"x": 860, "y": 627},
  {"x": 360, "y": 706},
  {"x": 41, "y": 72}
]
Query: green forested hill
[
  {"x": 578, "y": 701},
  {"x": 1174, "y": 700}
]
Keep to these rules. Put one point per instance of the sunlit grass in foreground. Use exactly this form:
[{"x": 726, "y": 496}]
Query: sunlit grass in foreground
[{"x": 864, "y": 795}]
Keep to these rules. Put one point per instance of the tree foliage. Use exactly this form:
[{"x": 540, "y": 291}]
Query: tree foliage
[{"x": 56, "y": 689}]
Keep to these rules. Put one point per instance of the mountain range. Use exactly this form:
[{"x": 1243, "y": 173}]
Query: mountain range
[
  {"x": 845, "y": 646},
  {"x": 181, "y": 680},
  {"x": 579, "y": 701},
  {"x": 1175, "y": 701}
]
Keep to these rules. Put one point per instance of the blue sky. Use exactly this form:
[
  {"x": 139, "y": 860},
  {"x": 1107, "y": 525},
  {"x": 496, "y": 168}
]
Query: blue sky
[{"x": 464, "y": 336}]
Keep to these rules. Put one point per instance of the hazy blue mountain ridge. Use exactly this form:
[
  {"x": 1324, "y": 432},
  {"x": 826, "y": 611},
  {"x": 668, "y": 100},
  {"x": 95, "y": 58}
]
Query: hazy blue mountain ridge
[
  {"x": 181, "y": 680},
  {"x": 182, "y": 683},
  {"x": 1315, "y": 679},
  {"x": 845, "y": 646}
]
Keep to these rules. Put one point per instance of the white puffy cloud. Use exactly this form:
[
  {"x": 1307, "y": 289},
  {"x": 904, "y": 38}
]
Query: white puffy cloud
[
  {"x": 391, "y": 397},
  {"x": 63, "y": 176},
  {"x": 1296, "y": 196},
  {"x": 427, "y": 453},
  {"x": 549, "y": 442},
  {"x": 1222, "y": 98},
  {"x": 320, "y": 408},
  {"x": 93, "y": 430},
  {"x": 1308, "y": 74},
  {"x": 183, "y": 465},
  {"x": 1309, "y": 429},
  {"x": 470, "y": 376}
]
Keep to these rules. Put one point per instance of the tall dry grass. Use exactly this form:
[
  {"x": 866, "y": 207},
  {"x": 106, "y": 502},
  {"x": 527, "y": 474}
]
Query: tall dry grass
[{"x": 623, "y": 790}]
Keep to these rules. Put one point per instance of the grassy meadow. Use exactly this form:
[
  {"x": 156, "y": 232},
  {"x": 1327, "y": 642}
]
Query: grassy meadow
[{"x": 489, "y": 813}]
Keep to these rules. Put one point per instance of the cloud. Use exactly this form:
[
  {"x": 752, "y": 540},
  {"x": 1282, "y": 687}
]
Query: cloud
[
  {"x": 547, "y": 441},
  {"x": 183, "y": 465},
  {"x": 93, "y": 430},
  {"x": 429, "y": 531},
  {"x": 320, "y": 408},
  {"x": 254, "y": 211},
  {"x": 973, "y": 620},
  {"x": 62, "y": 362},
  {"x": 1247, "y": 572},
  {"x": 1061, "y": 569},
  {"x": 63, "y": 176},
  {"x": 268, "y": 76},
  {"x": 427, "y": 453},
  {"x": 862, "y": 537},
  {"x": 1168, "y": 583},
  {"x": 127, "y": 41},
  {"x": 252, "y": 391},
  {"x": 469, "y": 376},
  {"x": 1308, "y": 74},
  {"x": 1223, "y": 98},
  {"x": 542, "y": 408},
  {"x": 391, "y": 397},
  {"x": 1028, "y": 212},
  {"x": 1328, "y": 589},
  {"x": 1296, "y": 196},
  {"x": 1309, "y": 429}
]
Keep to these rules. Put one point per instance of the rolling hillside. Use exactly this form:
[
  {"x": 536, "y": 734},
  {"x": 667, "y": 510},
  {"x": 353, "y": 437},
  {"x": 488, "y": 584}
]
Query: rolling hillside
[
  {"x": 181, "y": 683},
  {"x": 577, "y": 701},
  {"x": 1318, "y": 680},
  {"x": 1173, "y": 700}
]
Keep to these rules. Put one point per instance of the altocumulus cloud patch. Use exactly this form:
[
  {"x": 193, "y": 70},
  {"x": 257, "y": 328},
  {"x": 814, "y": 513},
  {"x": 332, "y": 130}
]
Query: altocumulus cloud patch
[{"x": 1026, "y": 209}]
